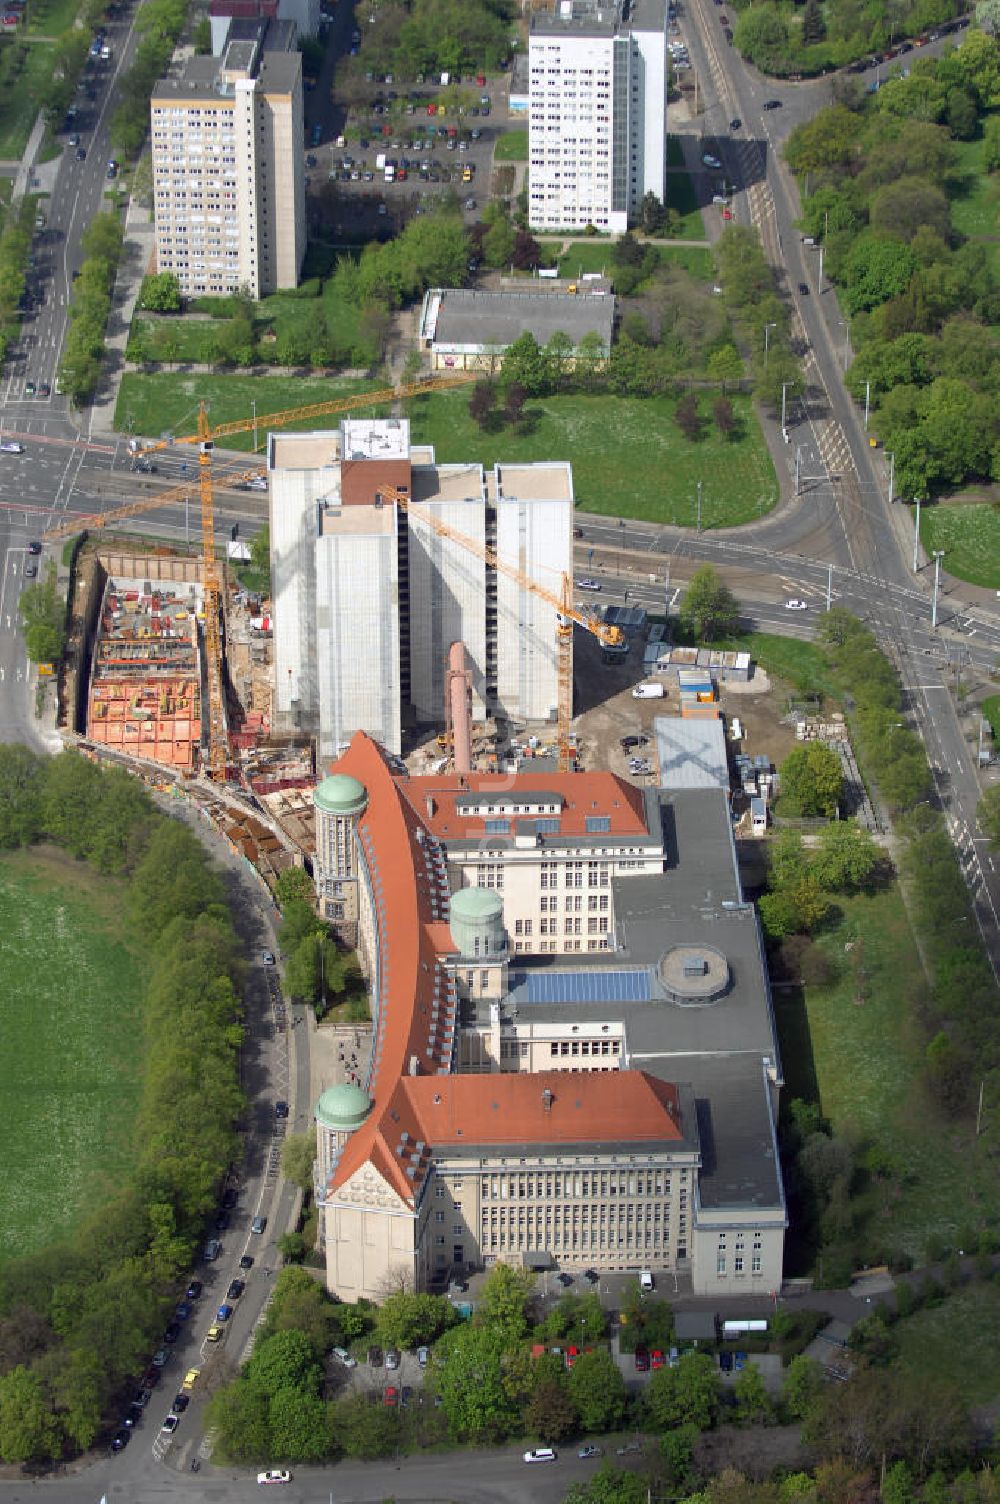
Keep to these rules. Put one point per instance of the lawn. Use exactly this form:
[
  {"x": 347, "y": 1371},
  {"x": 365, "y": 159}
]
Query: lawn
[
  {"x": 168, "y": 403},
  {"x": 681, "y": 196},
  {"x": 800, "y": 664},
  {"x": 737, "y": 475},
  {"x": 596, "y": 256},
  {"x": 956, "y": 1341},
  {"x": 512, "y": 146},
  {"x": 21, "y": 96},
  {"x": 861, "y": 1060},
  {"x": 71, "y": 1026},
  {"x": 976, "y": 211},
  {"x": 969, "y": 533},
  {"x": 991, "y": 711}
]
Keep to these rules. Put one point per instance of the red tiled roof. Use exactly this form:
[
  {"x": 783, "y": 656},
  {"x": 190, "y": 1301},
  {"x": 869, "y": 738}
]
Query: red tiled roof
[
  {"x": 427, "y": 1107},
  {"x": 556, "y": 1107},
  {"x": 582, "y": 794}
]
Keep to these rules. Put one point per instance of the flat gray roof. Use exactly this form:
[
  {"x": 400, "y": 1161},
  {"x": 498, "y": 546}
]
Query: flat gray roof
[
  {"x": 467, "y": 319},
  {"x": 691, "y": 754}
]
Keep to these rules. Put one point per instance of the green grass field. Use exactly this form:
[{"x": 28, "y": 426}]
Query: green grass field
[
  {"x": 21, "y": 96},
  {"x": 970, "y": 537},
  {"x": 799, "y": 663},
  {"x": 991, "y": 711},
  {"x": 681, "y": 196},
  {"x": 70, "y": 1021},
  {"x": 975, "y": 211},
  {"x": 595, "y": 256},
  {"x": 861, "y": 1060},
  {"x": 956, "y": 1341},
  {"x": 657, "y": 481},
  {"x": 512, "y": 146},
  {"x": 168, "y": 403}
]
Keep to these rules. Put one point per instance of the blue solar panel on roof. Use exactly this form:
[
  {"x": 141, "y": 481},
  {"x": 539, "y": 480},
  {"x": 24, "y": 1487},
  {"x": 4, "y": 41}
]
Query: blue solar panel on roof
[{"x": 583, "y": 987}]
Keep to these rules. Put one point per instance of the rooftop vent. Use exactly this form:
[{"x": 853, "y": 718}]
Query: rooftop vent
[{"x": 695, "y": 966}]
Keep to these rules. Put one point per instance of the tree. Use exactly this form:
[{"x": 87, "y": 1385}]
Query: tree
[
  {"x": 708, "y": 609},
  {"x": 499, "y": 243},
  {"x": 550, "y": 1412},
  {"x": 102, "y": 240},
  {"x": 161, "y": 293},
  {"x": 300, "y": 1426},
  {"x": 29, "y": 1431},
  {"x": 469, "y": 1377},
  {"x": 725, "y": 365},
  {"x": 752, "y": 1403},
  {"x": 482, "y": 403},
  {"x": 687, "y": 1394},
  {"x": 513, "y": 407},
  {"x": 948, "y": 1074},
  {"x": 597, "y": 1389},
  {"x": 793, "y": 909},
  {"x": 803, "y": 1386},
  {"x": 991, "y": 140},
  {"x": 652, "y": 214},
  {"x": 687, "y": 417},
  {"x": 845, "y": 857},
  {"x": 723, "y": 416},
  {"x": 988, "y": 17},
  {"x": 610, "y": 1485},
  {"x": 812, "y": 779},
  {"x": 813, "y": 25},
  {"x": 285, "y": 1360},
  {"x": 876, "y": 270},
  {"x": 527, "y": 252},
  {"x": 43, "y": 617},
  {"x": 298, "y": 1154},
  {"x": 21, "y": 787},
  {"x": 408, "y": 1320},
  {"x": 504, "y": 1300},
  {"x": 526, "y": 364},
  {"x": 294, "y": 882}
]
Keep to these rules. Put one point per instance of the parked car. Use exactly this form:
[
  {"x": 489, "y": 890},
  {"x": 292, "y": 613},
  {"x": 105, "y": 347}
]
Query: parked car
[
  {"x": 541, "y": 1454},
  {"x": 121, "y": 1439},
  {"x": 160, "y": 1358},
  {"x": 423, "y": 1356},
  {"x": 796, "y": 605},
  {"x": 236, "y": 1288},
  {"x": 180, "y": 1402},
  {"x": 11, "y": 446},
  {"x": 170, "y": 1424},
  {"x": 587, "y": 584},
  {"x": 224, "y": 1312},
  {"x": 590, "y": 1451},
  {"x": 641, "y": 1360},
  {"x": 375, "y": 1359},
  {"x": 246, "y": 1260},
  {"x": 190, "y": 1379},
  {"x": 391, "y": 1358},
  {"x": 343, "y": 1356},
  {"x": 258, "y": 1224},
  {"x": 193, "y": 1290},
  {"x": 274, "y": 1475}
]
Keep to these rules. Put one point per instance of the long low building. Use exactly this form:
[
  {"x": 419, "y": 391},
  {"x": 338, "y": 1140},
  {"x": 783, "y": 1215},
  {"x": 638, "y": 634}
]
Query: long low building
[
  {"x": 526, "y": 1102},
  {"x": 467, "y": 330}
]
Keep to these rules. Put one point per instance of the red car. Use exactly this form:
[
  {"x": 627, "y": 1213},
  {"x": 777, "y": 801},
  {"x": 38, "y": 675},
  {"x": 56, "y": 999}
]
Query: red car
[
  {"x": 391, "y": 1396},
  {"x": 572, "y": 1353},
  {"x": 641, "y": 1360},
  {"x": 658, "y": 1359}
]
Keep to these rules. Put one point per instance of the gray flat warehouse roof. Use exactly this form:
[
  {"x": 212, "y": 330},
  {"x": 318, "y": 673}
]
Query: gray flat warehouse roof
[
  {"x": 691, "y": 754},
  {"x": 460, "y": 319}
]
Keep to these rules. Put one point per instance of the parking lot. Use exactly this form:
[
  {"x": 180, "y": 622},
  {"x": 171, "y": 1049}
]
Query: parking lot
[{"x": 403, "y": 147}]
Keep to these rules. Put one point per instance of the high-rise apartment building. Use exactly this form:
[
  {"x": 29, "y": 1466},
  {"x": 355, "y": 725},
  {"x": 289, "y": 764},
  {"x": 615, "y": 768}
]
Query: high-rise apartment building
[
  {"x": 597, "y": 120},
  {"x": 228, "y": 185},
  {"x": 369, "y": 597}
]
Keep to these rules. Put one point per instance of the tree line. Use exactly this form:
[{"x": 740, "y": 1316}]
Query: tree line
[
  {"x": 79, "y": 1321},
  {"x": 159, "y": 24},
  {"x": 429, "y": 37},
  {"x": 784, "y": 38},
  {"x": 80, "y": 367},
  {"x": 881, "y": 175},
  {"x": 317, "y": 971},
  {"x": 503, "y": 1374},
  {"x": 15, "y": 248}
]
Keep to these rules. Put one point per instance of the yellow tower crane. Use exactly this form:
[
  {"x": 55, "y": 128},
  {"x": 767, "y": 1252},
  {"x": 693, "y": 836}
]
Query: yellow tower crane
[{"x": 567, "y": 613}]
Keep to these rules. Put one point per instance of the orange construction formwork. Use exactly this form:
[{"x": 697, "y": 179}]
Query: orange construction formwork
[{"x": 155, "y": 718}]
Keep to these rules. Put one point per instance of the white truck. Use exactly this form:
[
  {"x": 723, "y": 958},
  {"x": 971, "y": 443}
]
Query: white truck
[
  {"x": 380, "y": 161},
  {"x": 648, "y": 692}
]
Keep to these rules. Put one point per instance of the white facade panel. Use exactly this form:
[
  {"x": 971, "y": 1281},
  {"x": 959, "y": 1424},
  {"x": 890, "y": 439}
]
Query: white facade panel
[
  {"x": 357, "y": 640},
  {"x": 293, "y": 523},
  {"x": 447, "y": 589},
  {"x": 651, "y": 118},
  {"x": 536, "y": 537}
]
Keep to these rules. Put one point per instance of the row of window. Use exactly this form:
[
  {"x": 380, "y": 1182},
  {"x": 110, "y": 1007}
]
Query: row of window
[{"x": 756, "y": 1265}]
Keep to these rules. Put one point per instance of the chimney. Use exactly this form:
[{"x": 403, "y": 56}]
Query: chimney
[{"x": 431, "y": 806}]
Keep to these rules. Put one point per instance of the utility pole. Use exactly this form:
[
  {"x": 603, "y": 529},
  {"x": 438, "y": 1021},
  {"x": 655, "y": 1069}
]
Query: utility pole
[
  {"x": 868, "y": 402},
  {"x": 892, "y": 474},
  {"x": 699, "y": 506},
  {"x": 938, "y": 554},
  {"x": 819, "y": 290},
  {"x": 798, "y": 463},
  {"x": 767, "y": 339},
  {"x": 784, "y": 430},
  {"x": 829, "y": 585},
  {"x": 916, "y": 537},
  {"x": 253, "y": 405}
]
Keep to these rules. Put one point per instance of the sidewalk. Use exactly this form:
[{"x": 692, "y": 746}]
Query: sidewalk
[{"x": 136, "y": 258}]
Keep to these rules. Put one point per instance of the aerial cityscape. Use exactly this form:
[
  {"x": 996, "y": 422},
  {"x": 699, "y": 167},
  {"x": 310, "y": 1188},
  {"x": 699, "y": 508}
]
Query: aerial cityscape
[{"x": 500, "y": 751}]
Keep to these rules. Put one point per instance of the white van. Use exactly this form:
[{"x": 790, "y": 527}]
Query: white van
[
  {"x": 648, "y": 692},
  {"x": 735, "y": 729},
  {"x": 645, "y": 1281},
  {"x": 540, "y": 1454}
]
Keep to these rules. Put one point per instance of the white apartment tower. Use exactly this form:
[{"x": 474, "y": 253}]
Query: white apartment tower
[
  {"x": 228, "y": 185},
  {"x": 369, "y": 597},
  {"x": 597, "y": 120}
]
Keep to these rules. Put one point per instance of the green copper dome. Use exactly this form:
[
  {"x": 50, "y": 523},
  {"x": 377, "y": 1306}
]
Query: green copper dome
[
  {"x": 476, "y": 904},
  {"x": 339, "y": 794},
  {"x": 343, "y": 1108}
]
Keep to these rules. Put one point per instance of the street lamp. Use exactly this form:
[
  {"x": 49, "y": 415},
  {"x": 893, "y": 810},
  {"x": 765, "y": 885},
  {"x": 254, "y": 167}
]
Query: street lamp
[
  {"x": 784, "y": 430},
  {"x": 892, "y": 471},
  {"x": 767, "y": 338},
  {"x": 938, "y": 556}
]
